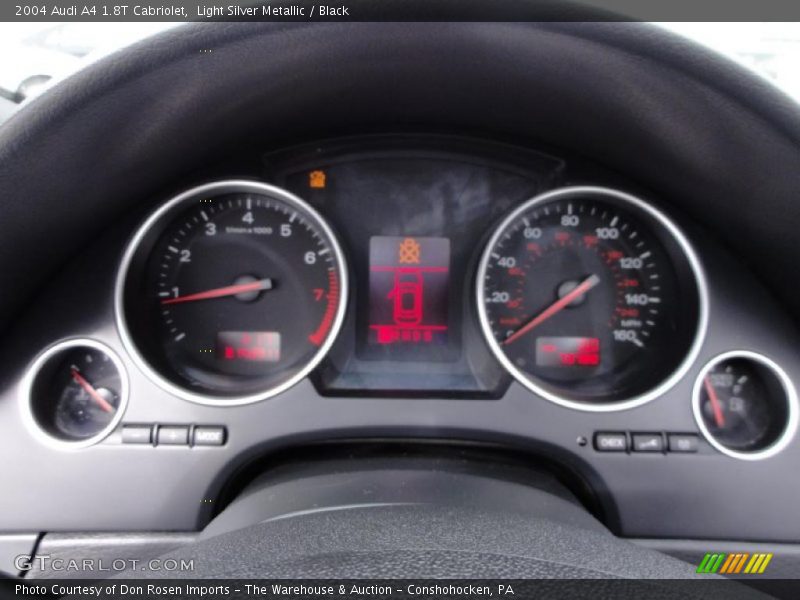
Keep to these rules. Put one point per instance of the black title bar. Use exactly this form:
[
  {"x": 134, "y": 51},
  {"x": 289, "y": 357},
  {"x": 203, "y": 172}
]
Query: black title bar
[
  {"x": 399, "y": 10},
  {"x": 389, "y": 589}
]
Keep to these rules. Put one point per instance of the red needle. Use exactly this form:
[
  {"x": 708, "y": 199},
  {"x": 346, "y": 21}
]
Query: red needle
[
  {"x": 231, "y": 290},
  {"x": 719, "y": 418},
  {"x": 554, "y": 308},
  {"x": 102, "y": 402}
]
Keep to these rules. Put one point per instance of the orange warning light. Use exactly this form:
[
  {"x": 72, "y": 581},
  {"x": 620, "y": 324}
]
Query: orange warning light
[
  {"x": 316, "y": 180},
  {"x": 409, "y": 252}
]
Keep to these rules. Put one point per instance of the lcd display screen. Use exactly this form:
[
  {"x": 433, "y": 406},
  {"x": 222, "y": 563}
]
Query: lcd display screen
[
  {"x": 249, "y": 346},
  {"x": 408, "y": 290},
  {"x": 567, "y": 352}
]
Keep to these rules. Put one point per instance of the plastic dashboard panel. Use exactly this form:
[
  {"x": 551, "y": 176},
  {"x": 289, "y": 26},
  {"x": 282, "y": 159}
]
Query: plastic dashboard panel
[
  {"x": 703, "y": 495},
  {"x": 716, "y": 144}
]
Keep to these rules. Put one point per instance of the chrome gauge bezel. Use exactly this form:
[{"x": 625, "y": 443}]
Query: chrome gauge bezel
[
  {"x": 27, "y": 385},
  {"x": 792, "y": 412},
  {"x": 165, "y": 212},
  {"x": 658, "y": 217}
]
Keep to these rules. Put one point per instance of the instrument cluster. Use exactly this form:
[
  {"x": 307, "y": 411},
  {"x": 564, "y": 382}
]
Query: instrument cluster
[{"x": 415, "y": 270}]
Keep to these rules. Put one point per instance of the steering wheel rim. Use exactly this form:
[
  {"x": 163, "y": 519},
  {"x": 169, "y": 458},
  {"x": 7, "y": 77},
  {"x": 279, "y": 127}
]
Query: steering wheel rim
[{"x": 133, "y": 124}]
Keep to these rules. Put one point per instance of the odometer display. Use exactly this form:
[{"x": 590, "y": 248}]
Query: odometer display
[
  {"x": 591, "y": 298},
  {"x": 232, "y": 292}
]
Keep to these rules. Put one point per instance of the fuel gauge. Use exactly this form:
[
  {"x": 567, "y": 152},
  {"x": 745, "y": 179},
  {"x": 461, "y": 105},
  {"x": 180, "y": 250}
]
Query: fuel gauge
[
  {"x": 77, "y": 392},
  {"x": 745, "y": 405}
]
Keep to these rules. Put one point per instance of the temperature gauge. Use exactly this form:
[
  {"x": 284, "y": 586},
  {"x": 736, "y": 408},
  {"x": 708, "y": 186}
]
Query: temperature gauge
[
  {"x": 745, "y": 405},
  {"x": 76, "y": 392}
]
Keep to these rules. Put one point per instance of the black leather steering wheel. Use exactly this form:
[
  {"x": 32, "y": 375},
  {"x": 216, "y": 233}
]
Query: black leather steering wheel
[{"x": 423, "y": 518}]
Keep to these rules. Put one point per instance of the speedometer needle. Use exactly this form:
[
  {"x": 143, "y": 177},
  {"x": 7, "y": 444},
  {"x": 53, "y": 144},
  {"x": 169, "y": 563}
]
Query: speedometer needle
[
  {"x": 230, "y": 290},
  {"x": 554, "y": 308},
  {"x": 81, "y": 380},
  {"x": 719, "y": 417}
]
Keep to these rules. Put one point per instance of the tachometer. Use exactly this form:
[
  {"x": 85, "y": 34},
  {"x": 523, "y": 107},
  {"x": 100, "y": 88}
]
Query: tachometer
[
  {"x": 591, "y": 298},
  {"x": 231, "y": 292}
]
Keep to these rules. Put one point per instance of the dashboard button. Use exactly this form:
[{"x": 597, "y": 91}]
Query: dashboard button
[
  {"x": 137, "y": 434},
  {"x": 610, "y": 442},
  {"x": 208, "y": 436},
  {"x": 682, "y": 442},
  {"x": 648, "y": 442},
  {"x": 173, "y": 436}
]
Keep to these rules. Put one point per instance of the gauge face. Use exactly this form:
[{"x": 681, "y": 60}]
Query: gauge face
[
  {"x": 88, "y": 386},
  {"x": 591, "y": 298},
  {"x": 744, "y": 404},
  {"x": 234, "y": 291},
  {"x": 77, "y": 392}
]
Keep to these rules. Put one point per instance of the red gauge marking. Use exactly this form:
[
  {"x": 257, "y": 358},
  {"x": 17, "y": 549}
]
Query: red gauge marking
[
  {"x": 554, "y": 308},
  {"x": 332, "y": 297},
  {"x": 81, "y": 380},
  {"x": 590, "y": 241},
  {"x": 719, "y": 417},
  {"x": 230, "y": 290}
]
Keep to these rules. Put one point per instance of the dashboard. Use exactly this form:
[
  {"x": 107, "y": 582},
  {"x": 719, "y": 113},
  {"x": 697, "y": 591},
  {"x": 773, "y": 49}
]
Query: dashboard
[{"x": 395, "y": 287}]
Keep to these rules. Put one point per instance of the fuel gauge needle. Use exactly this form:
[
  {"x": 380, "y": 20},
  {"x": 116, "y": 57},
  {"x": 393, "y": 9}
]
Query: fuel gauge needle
[
  {"x": 554, "y": 308},
  {"x": 719, "y": 417},
  {"x": 81, "y": 380}
]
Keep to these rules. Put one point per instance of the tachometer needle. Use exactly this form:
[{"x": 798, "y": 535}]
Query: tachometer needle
[
  {"x": 231, "y": 290},
  {"x": 81, "y": 380},
  {"x": 554, "y": 308},
  {"x": 719, "y": 417}
]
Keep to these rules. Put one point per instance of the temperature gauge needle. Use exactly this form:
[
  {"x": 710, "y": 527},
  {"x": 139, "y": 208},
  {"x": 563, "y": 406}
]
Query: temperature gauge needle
[
  {"x": 230, "y": 290},
  {"x": 719, "y": 417},
  {"x": 81, "y": 380},
  {"x": 554, "y": 308}
]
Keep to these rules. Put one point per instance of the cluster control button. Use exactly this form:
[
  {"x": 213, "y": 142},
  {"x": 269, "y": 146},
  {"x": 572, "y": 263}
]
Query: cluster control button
[
  {"x": 137, "y": 434},
  {"x": 610, "y": 442},
  {"x": 208, "y": 436},
  {"x": 647, "y": 442},
  {"x": 682, "y": 442},
  {"x": 173, "y": 435}
]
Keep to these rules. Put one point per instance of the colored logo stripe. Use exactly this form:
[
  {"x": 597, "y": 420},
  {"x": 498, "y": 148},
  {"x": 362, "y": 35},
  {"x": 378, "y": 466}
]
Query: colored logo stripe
[
  {"x": 710, "y": 563},
  {"x": 758, "y": 563},
  {"x": 735, "y": 564},
  {"x": 723, "y": 563}
]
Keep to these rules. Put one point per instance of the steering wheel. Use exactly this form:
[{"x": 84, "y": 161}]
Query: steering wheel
[{"x": 424, "y": 516}]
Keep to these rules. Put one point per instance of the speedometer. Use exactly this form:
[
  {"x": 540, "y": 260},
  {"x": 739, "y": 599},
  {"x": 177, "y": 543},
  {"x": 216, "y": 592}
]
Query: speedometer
[
  {"x": 591, "y": 298},
  {"x": 231, "y": 292}
]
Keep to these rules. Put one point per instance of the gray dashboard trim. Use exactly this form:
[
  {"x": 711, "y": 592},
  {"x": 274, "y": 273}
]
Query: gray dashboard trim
[
  {"x": 101, "y": 550},
  {"x": 13, "y": 546}
]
